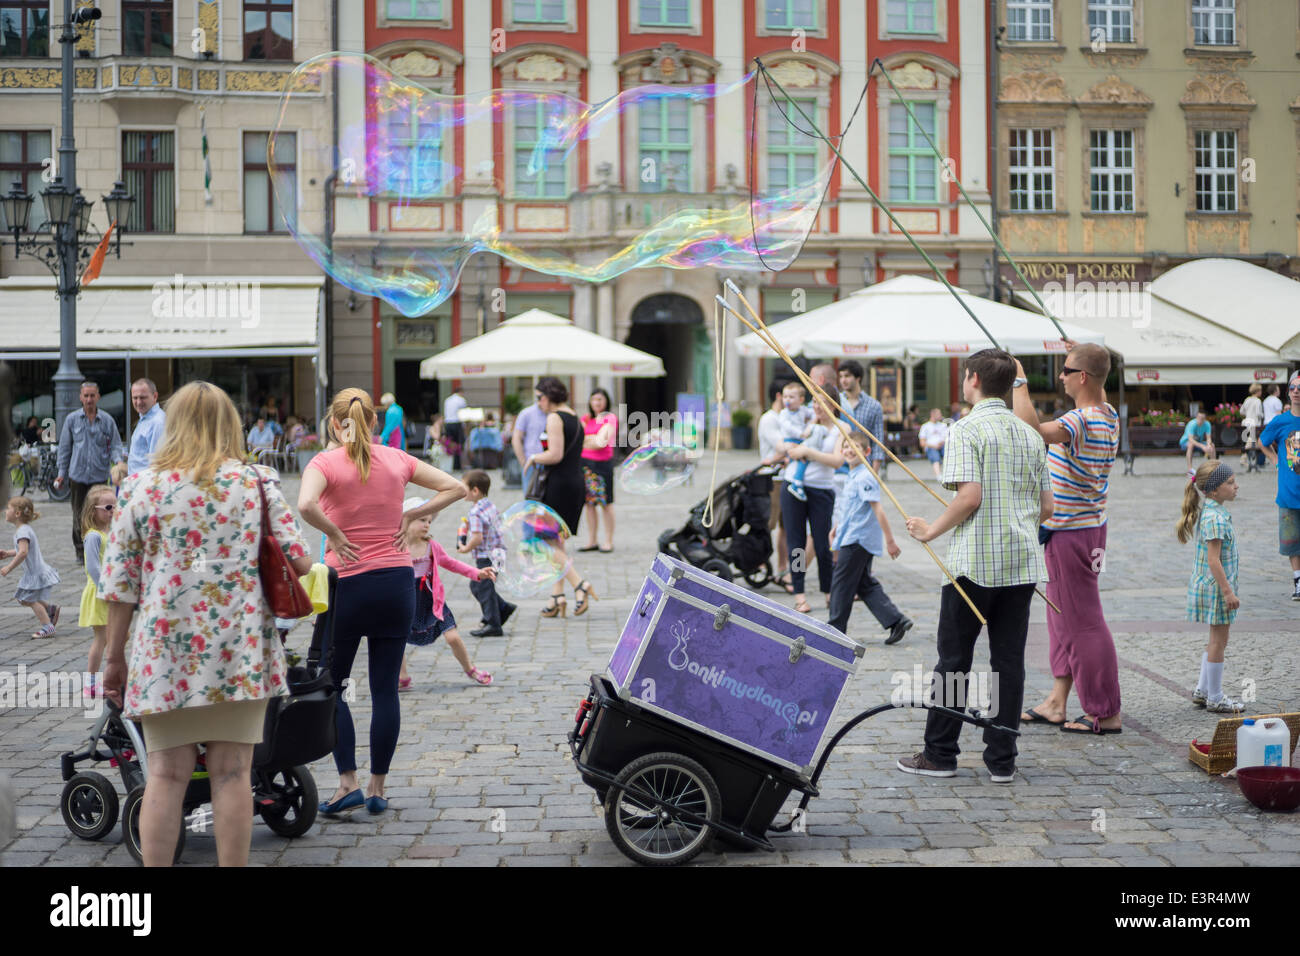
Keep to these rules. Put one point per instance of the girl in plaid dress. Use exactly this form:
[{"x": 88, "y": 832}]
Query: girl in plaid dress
[{"x": 1212, "y": 591}]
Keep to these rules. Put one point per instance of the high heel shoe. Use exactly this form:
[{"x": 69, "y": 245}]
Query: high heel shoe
[
  {"x": 557, "y": 608},
  {"x": 588, "y": 595}
]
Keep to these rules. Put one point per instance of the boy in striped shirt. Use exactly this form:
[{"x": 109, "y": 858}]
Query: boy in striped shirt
[{"x": 1081, "y": 447}]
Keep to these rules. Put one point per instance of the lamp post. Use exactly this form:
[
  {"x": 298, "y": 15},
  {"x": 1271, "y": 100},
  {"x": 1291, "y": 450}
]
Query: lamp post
[{"x": 68, "y": 213}]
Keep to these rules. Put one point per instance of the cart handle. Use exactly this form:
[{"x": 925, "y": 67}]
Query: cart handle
[{"x": 866, "y": 715}]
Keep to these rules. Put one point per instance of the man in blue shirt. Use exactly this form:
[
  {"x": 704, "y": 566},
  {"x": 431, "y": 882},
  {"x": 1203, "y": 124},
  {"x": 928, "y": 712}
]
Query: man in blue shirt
[
  {"x": 1197, "y": 436},
  {"x": 861, "y": 532},
  {"x": 864, "y": 408},
  {"x": 88, "y": 446},
  {"x": 526, "y": 439},
  {"x": 1280, "y": 440},
  {"x": 261, "y": 436},
  {"x": 148, "y": 434}
]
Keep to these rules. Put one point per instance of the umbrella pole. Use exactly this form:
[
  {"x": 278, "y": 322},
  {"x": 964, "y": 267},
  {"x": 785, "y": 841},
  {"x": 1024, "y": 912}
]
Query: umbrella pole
[{"x": 844, "y": 433}]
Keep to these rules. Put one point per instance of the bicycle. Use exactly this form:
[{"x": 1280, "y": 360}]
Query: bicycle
[{"x": 25, "y": 474}]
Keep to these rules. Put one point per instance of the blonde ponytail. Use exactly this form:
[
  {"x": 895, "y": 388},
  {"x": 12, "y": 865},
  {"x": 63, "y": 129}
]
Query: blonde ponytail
[
  {"x": 1196, "y": 487},
  {"x": 354, "y": 412}
]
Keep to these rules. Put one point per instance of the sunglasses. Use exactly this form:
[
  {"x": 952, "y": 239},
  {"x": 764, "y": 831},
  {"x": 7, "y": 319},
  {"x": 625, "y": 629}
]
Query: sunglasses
[
  {"x": 104, "y": 507},
  {"x": 1066, "y": 370},
  {"x": 1293, "y": 388}
]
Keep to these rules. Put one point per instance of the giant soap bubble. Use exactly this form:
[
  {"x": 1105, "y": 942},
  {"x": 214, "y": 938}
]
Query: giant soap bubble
[
  {"x": 532, "y": 557},
  {"x": 654, "y": 469},
  {"x": 395, "y": 170}
]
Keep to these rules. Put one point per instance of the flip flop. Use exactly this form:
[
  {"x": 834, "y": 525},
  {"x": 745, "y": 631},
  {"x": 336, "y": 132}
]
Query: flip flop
[
  {"x": 1092, "y": 728},
  {"x": 590, "y": 547},
  {"x": 783, "y": 581},
  {"x": 1036, "y": 718}
]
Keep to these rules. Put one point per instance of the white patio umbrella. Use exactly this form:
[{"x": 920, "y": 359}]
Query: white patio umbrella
[
  {"x": 912, "y": 318},
  {"x": 540, "y": 343}
]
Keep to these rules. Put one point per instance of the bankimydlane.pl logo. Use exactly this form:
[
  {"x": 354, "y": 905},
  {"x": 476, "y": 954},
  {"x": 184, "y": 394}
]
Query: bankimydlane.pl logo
[
  {"x": 78, "y": 909},
  {"x": 709, "y": 675}
]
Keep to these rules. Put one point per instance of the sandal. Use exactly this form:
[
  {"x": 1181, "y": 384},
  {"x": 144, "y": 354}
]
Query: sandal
[
  {"x": 1088, "y": 727},
  {"x": 556, "y": 608},
  {"x": 803, "y": 607},
  {"x": 783, "y": 581},
  {"x": 404, "y": 683},
  {"x": 46, "y": 630},
  {"x": 483, "y": 677},
  {"x": 581, "y": 603}
]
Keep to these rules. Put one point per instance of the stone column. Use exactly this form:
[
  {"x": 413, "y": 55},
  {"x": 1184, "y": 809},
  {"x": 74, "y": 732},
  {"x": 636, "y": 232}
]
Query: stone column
[
  {"x": 584, "y": 318},
  {"x": 604, "y": 324}
]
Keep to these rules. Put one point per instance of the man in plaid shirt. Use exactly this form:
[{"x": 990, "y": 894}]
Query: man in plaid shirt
[
  {"x": 998, "y": 466},
  {"x": 483, "y": 539}
]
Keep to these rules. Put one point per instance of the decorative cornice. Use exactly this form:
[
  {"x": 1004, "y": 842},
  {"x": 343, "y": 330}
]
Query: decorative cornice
[
  {"x": 1216, "y": 90},
  {"x": 930, "y": 61},
  {"x": 448, "y": 55},
  {"x": 1035, "y": 87},
  {"x": 1113, "y": 91},
  {"x": 650, "y": 56},
  {"x": 554, "y": 50}
]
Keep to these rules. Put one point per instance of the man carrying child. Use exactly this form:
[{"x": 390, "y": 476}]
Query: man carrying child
[{"x": 484, "y": 538}]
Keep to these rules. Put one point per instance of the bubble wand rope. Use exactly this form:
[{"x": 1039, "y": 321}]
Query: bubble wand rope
[
  {"x": 763, "y": 332},
  {"x": 770, "y": 81},
  {"x": 962, "y": 189},
  {"x": 719, "y": 373}
]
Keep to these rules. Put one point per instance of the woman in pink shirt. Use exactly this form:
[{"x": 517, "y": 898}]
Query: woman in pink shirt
[
  {"x": 600, "y": 427},
  {"x": 354, "y": 495}
]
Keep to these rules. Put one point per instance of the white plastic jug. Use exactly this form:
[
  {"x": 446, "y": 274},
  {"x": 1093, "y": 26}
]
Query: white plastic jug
[{"x": 1263, "y": 743}]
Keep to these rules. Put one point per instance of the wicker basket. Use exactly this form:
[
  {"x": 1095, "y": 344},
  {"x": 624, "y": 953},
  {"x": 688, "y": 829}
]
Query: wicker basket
[{"x": 1223, "y": 748}]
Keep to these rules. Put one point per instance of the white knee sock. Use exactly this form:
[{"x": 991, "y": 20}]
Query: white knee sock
[
  {"x": 1213, "y": 680},
  {"x": 1201, "y": 681}
]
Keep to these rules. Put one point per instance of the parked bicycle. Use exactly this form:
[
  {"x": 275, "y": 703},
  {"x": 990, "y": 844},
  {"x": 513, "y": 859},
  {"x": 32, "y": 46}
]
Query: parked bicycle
[{"x": 36, "y": 466}]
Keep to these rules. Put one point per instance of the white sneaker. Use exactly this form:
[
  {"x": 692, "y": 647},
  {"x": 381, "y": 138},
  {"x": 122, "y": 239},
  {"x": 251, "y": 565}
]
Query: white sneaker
[
  {"x": 1224, "y": 705},
  {"x": 1000, "y": 778},
  {"x": 1295, "y": 593}
]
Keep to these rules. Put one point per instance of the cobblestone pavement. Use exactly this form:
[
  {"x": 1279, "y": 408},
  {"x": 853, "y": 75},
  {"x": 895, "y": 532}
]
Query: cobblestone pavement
[{"x": 473, "y": 760}]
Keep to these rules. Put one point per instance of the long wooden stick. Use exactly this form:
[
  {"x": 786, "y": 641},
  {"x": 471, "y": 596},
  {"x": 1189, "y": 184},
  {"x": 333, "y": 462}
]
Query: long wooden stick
[{"x": 762, "y": 331}]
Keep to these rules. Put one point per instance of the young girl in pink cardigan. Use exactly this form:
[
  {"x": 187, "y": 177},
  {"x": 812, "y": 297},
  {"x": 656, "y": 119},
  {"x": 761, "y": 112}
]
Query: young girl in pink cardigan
[{"x": 427, "y": 554}]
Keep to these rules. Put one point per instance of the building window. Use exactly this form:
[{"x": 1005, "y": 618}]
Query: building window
[
  {"x": 547, "y": 179},
  {"x": 260, "y": 212},
  {"x": 1110, "y": 153},
  {"x": 147, "y": 27},
  {"x": 913, "y": 167},
  {"x": 791, "y": 15},
  {"x": 1216, "y": 170},
  {"x": 413, "y": 9},
  {"x": 665, "y": 13},
  {"x": 22, "y": 158},
  {"x": 1114, "y": 18},
  {"x": 1214, "y": 22},
  {"x": 268, "y": 29},
  {"x": 1032, "y": 173},
  {"x": 791, "y": 154},
  {"x": 414, "y": 144},
  {"x": 1029, "y": 20},
  {"x": 540, "y": 11},
  {"x": 149, "y": 170},
  {"x": 665, "y": 144},
  {"x": 24, "y": 28},
  {"x": 910, "y": 16}
]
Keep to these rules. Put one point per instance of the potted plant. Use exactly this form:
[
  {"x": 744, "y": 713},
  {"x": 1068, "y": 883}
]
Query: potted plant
[
  {"x": 512, "y": 404},
  {"x": 742, "y": 435},
  {"x": 307, "y": 449}
]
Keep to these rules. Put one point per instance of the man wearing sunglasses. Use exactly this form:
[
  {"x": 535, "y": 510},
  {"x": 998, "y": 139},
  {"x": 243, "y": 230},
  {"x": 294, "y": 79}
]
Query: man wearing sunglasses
[
  {"x": 1081, "y": 448},
  {"x": 1280, "y": 440}
]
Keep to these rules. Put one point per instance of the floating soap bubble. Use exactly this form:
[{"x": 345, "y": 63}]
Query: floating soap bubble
[
  {"x": 532, "y": 556},
  {"x": 654, "y": 469},
  {"x": 397, "y": 165}
]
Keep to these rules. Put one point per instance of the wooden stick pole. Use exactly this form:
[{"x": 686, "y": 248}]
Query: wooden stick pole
[{"x": 765, "y": 334}]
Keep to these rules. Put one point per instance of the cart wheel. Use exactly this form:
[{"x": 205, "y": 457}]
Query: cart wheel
[
  {"x": 294, "y": 792},
  {"x": 58, "y": 494},
  {"x": 131, "y": 827},
  {"x": 717, "y": 567},
  {"x": 655, "y": 836},
  {"x": 761, "y": 578},
  {"x": 89, "y": 805}
]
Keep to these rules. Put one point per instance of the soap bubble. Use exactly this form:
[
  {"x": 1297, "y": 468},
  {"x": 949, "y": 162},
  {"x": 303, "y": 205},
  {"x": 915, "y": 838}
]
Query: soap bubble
[
  {"x": 654, "y": 469},
  {"x": 533, "y": 557},
  {"x": 398, "y": 162}
]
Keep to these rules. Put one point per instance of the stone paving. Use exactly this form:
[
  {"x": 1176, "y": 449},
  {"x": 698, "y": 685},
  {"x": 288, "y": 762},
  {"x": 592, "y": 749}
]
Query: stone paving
[{"x": 482, "y": 775}]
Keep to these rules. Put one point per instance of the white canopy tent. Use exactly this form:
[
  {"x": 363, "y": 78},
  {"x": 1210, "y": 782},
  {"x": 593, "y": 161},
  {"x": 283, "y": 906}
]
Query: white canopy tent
[{"x": 540, "y": 343}]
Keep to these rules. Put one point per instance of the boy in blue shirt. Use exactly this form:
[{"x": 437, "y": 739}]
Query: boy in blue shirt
[
  {"x": 860, "y": 533},
  {"x": 1197, "y": 436},
  {"x": 1280, "y": 441}
]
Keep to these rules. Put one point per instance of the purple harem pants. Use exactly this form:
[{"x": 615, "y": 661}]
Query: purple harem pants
[{"x": 1081, "y": 646}]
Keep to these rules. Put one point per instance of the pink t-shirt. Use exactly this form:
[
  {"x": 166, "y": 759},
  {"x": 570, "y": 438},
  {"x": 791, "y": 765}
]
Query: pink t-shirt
[
  {"x": 592, "y": 425},
  {"x": 368, "y": 514}
]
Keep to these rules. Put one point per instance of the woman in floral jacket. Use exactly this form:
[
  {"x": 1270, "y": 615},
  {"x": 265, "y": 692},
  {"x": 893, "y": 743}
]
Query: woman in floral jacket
[{"x": 205, "y": 657}]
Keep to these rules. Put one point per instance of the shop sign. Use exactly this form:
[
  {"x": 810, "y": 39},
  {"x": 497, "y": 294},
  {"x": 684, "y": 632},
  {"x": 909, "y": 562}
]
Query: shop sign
[
  {"x": 855, "y": 349},
  {"x": 1148, "y": 374},
  {"x": 472, "y": 369},
  {"x": 1265, "y": 374},
  {"x": 1059, "y": 270}
]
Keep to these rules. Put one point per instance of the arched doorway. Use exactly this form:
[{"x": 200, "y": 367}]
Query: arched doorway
[{"x": 671, "y": 327}]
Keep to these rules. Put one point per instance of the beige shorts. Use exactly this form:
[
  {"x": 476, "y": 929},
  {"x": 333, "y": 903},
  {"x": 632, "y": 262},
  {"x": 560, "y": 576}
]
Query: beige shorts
[
  {"x": 238, "y": 721},
  {"x": 776, "y": 521}
]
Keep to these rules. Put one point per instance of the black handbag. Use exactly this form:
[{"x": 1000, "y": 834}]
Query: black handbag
[{"x": 537, "y": 483}]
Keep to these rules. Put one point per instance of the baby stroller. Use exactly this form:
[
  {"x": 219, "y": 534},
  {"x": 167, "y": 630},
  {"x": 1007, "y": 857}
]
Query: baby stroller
[
  {"x": 739, "y": 536},
  {"x": 299, "y": 729}
]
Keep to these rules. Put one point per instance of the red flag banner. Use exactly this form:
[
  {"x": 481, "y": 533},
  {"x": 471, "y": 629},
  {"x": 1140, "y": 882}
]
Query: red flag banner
[{"x": 97, "y": 260}]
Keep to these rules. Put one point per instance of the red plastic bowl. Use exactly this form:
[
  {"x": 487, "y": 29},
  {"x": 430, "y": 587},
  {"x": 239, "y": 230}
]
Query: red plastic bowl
[{"x": 1271, "y": 788}]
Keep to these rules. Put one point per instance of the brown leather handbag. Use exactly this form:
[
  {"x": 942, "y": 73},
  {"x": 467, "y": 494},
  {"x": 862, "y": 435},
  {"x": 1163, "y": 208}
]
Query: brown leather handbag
[{"x": 284, "y": 592}]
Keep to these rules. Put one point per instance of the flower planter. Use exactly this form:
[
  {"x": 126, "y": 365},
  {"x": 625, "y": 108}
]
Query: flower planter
[
  {"x": 303, "y": 456},
  {"x": 742, "y": 437},
  {"x": 1154, "y": 436}
]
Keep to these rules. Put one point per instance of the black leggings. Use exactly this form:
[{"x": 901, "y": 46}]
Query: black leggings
[
  {"x": 378, "y": 605},
  {"x": 798, "y": 515}
]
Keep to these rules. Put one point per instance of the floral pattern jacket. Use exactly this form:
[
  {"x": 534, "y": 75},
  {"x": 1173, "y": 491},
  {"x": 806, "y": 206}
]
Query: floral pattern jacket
[{"x": 187, "y": 555}]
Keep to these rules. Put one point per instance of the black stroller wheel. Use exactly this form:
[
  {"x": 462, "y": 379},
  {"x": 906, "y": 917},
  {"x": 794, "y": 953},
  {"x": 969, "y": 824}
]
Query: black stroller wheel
[
  {"x": 131, "y": 827},
  {"x": 761, "y": 577},
  {"x": 89, "y": 805},
  {"x": 654, "y": 835},
  {"x": 293, "y": 791},
  {"x": 718, "y": 567}
]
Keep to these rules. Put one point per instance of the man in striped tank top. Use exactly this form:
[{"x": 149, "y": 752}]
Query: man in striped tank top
[{"x": 1081, "y": 447}]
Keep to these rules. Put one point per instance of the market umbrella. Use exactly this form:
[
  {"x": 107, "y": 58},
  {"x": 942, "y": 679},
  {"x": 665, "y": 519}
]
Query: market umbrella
[{"x": 539, "y": 343}]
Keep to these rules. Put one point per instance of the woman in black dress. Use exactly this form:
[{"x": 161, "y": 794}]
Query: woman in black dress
[{"x": 565, "y": 492}]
